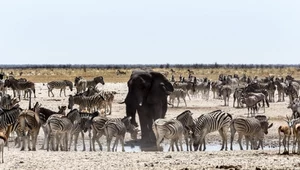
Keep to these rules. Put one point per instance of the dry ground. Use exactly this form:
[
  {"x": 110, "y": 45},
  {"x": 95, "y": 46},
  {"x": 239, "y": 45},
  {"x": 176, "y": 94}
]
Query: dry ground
[{"x": 133, "y": 158}]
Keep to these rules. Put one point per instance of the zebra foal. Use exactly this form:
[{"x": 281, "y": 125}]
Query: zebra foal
[
  {"x": 252, "y": 128},
  {"x": 177, "y": 93},
  {"x": 210, "y": 122},
  {"x": 60, "y": 127},
  {"x": 29, "y": 121},
  {"x": 59, "y": 85},
  {"x": 168, "y": 129},
  {"x": 117, "y": 128}
]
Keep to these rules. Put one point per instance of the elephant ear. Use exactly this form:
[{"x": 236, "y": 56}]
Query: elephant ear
[{"x": 160, "y": 88}]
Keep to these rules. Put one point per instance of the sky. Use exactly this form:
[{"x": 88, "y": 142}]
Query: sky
[{"x": 149, "y": 32}]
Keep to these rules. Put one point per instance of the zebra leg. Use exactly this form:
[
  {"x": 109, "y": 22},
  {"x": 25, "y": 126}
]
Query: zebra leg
[
  {"x": 114, "y": 148},
  {"x": 232, "y": 132},
  {"x": 108, "y": 140},
  {"x": 224, "y": 138},
  {"x": 52, "y": 93},
  {"x": 122, "y": 143},
  {"x": 83, "y": 143},
  {"x": 98, "y": 141},
  {"x": 178, "y": 101},
  {"x": 184, "y": 102},
  {"x": 240, "y": 136}
]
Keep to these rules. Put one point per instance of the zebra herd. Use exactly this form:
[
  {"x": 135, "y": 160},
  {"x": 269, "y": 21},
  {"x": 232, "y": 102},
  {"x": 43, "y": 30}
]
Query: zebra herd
[
  {"x": 62, "y": 128},
  {"x": 246, "y": 91},
  {"x": 194, "y": 131}
]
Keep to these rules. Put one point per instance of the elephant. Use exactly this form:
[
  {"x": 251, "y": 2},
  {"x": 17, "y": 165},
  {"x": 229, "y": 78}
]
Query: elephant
[{"x": 147, "y": 95}]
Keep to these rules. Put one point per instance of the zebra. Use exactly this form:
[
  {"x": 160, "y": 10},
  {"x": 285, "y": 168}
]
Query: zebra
[
  {"x": 237, "y": 96},
  {"x": 188, "y": 123},
  {"x": 86, "y": 102},
  {"x": 280, "y": 89},
  {"x": 108, "y": 99},
  {"x": 98, "y": 128},
  {"x": 59, "y": 85},
  {"x": 252, "y": 128},
  {"x": 7, "y": 102},
  {"x": 60, "y": 127},
  {"x": 79, "y": 128},
  {"x": 186, "y": 86},
  {"x": 29, "y": 121},
  {"x": 95, "y": 81},
  {"x": 169, "y": 129},
  {"x": 9, "y": 117},
  {"x": 80, "y": 84},
  {"x": 97, "y": 125},
  {"x": 210, "y": 122},
  {"x": 225, "y": 91},
  {"x": 19, "y": 85},
  {"x": 117, "y": 128},
  {"x": 44, "y": 114},
  {"x": 177, "y": 93},
  {"x": 292, "y": 91}
]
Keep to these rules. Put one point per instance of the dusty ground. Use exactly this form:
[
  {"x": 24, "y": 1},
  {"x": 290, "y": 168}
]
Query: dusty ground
[{"x": 134, "y": 158}]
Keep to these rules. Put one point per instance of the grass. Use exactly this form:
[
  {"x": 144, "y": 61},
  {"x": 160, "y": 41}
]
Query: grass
[{"x": 43, "y": 75}]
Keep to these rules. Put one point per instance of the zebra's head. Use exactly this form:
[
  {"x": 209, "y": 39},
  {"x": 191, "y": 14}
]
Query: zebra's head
[
  {"x": 99, "y": 79},
  {"x": 69, "y": 84},
  {"x": 265, "y": 126}
]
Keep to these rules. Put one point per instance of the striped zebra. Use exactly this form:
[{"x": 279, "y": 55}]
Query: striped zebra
[
  {"x": 44, "y": 114},
  {"x": 107, "y": 95},
  {"x": 292, "y": 91},
  {"x": 252, "y": 128},
  {"x": 280, "y": 89},
  {"x": 188, "y": 123},
  {"x": 108, "y": 99},
  {"x": 79, "y": 128},
  {"x": 7, "y": 102},
  {"x": 117, "y": 128},
  {"x": 210, "y": 122},
  {"x": 97, "y": 125},
  {"x": 80, "y": 83},
  {"x": 95, "y": 81},
  {"x": 177, "y": 93},
  {"x": 225, "y": 91},
  {"x": 9, "y": 116},
  {"x": 17, "y": 85},
  {"x": 168, "y": 129},
  {"x": 87, "y": 102},
  {"x": 59, "y": 85},
  {"x": 60, "y": 127},
  {"x": 29, "y": 121}
]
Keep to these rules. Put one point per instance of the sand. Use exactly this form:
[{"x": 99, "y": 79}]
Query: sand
[{"x": 134, "y": 158}]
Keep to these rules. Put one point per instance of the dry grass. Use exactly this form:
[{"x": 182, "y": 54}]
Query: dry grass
[{"x": 46, "y": 75}]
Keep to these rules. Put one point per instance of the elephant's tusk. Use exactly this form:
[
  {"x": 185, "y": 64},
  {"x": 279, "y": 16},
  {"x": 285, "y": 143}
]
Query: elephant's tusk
[{"x": 122, "y": 102}]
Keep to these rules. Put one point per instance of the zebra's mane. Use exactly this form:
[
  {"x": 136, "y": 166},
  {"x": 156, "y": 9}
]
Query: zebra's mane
[
  {"x": 69, "y": 83},
  {"x": 183, "y": 114}
]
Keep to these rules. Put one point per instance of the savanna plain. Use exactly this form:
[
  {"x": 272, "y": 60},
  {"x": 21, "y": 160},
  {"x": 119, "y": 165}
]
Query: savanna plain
[{"x": 137, "y": 158}]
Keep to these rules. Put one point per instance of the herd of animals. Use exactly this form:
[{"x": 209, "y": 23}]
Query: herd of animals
[{"x": 149, "y": 94}]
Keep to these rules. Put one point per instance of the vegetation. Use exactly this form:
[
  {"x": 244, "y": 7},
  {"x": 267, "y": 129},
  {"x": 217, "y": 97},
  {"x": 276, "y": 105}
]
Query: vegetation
[{"x": 46, "y": 73}]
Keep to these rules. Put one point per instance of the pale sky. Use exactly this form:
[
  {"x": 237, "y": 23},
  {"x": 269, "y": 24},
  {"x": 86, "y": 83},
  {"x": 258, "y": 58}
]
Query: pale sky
[{"x": 149, "y": 32}]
